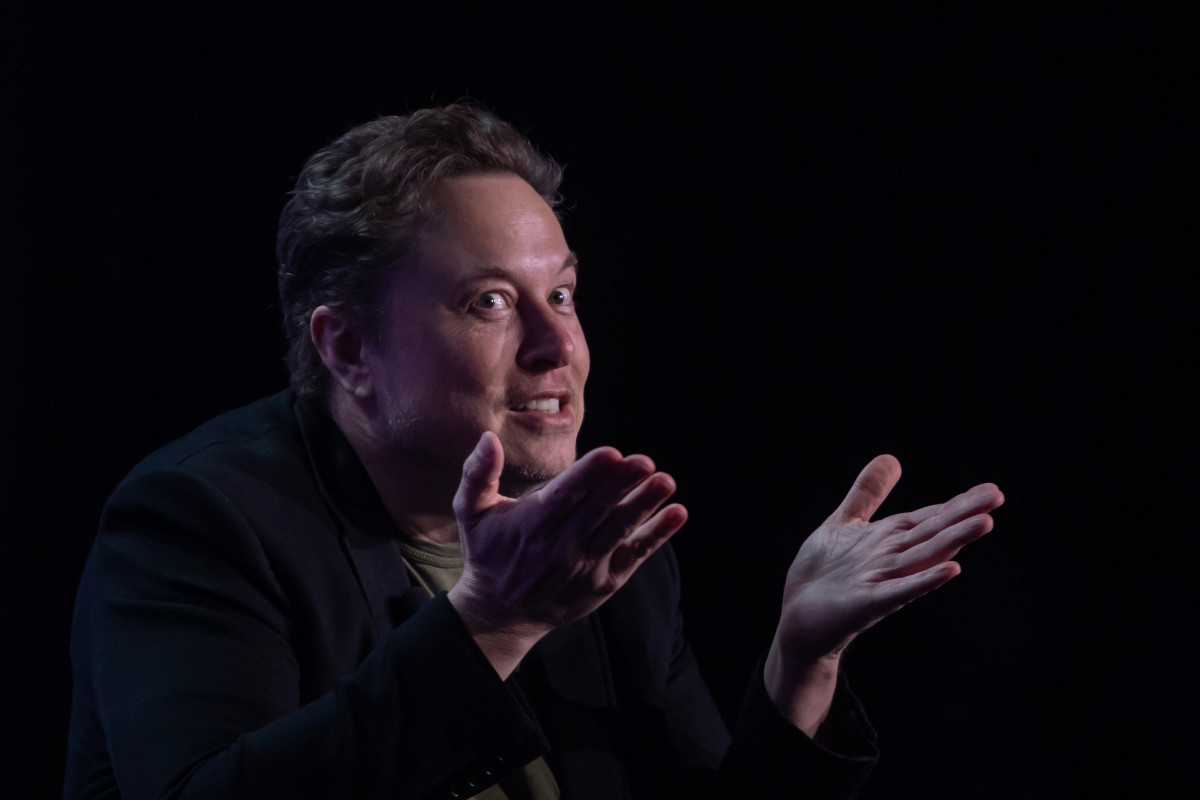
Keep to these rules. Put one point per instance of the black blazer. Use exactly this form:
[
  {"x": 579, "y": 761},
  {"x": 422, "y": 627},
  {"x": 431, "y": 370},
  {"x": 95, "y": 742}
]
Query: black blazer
[{"x": 245, "y": 627}]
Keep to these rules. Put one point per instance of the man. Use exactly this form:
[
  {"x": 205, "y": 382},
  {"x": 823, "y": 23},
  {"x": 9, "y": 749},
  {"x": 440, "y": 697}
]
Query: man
[{"x": 396, "y": 580}]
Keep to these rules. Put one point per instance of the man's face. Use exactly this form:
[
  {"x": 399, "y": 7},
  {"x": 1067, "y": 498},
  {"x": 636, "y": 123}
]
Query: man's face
[{"x": 481, "y": 334}]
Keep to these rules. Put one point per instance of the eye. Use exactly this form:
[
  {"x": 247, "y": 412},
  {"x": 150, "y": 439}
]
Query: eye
[
  {"x": 492, "y": 301},
  {"x": 562, "y": 296}
]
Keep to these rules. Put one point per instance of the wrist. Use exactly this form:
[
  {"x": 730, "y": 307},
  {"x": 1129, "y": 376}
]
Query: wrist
[
  {"x": 504, "y": 642},
  {"x": 801, "y": 688}
]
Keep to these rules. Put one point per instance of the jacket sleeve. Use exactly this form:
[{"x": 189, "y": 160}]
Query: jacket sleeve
[
  {"x": 771, "y": 758},
  {"x": 186, "y": 648},
  {"x": 766, "y": 756}
]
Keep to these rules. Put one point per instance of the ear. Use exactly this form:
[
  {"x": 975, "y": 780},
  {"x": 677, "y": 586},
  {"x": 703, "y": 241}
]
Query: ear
[{"x": 340, "y": 345}]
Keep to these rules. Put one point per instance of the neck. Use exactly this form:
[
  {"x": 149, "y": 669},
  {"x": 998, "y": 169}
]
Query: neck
[{"x": 418, "y": 497}]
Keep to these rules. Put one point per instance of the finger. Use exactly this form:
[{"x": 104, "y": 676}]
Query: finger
[
  {"x": 573, "y": 483},
  {"x": 596, "y": 483},
  {"x": 479, "y": 488},
  {"x": 645, "y": 539},
  {"x": 911, "y": 519},
  {"x": 633, "y": 510},
  {"x": 977, "y": 500},
  {"x": 944, "y": 546},
  {"x": 870, "y": 489},
  {"x": 892, "y": 595}
]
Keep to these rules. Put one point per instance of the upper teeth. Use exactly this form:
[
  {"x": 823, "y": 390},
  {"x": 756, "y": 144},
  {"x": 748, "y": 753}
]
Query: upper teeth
[{"x": 543, "y": 404}]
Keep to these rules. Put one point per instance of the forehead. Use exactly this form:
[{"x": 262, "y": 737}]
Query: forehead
[
  {"x": 490, "y": 209},
  {"x": 491, "y": 220},
  {"x": 486, "y": 225}
]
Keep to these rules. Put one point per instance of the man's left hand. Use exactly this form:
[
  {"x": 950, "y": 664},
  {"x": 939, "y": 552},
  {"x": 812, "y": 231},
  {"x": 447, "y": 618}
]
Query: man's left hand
[{"x": 852, "y": 572}]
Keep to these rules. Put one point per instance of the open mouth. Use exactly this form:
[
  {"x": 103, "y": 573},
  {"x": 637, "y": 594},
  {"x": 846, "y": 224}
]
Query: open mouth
[{"x": 547, "y": 405}]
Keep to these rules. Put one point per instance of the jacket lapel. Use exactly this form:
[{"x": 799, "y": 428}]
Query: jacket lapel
[{"x": 368, "y": 535}]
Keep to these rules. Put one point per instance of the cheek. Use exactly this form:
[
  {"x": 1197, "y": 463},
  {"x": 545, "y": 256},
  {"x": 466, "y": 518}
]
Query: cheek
[{"x": 474, "y": 363}]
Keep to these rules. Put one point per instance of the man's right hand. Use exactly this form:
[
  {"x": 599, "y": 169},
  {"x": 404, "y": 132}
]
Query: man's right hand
[{"x": 556, "y": 554}]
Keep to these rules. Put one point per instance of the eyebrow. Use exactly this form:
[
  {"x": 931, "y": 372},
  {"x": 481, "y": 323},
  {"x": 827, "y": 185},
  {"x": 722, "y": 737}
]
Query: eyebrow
[{"x": 499, "y": 273}]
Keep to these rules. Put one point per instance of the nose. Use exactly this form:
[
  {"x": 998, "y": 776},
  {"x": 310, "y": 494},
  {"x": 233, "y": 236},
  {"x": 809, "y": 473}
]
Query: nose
[{"x": 547, "y": 342}]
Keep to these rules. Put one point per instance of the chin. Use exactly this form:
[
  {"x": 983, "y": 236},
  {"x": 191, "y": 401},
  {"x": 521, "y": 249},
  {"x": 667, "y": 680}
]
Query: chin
[{"x": 521, "y": 477}]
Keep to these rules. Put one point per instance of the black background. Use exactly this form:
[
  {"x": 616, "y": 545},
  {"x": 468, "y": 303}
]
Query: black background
[{"x": 965, "y": 239}]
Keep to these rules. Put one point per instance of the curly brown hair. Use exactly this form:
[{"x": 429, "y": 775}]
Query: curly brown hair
[{"x": 354, "y": 212}]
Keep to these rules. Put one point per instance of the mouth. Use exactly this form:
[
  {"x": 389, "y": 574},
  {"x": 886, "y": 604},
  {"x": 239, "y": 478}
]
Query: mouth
[
  {"x": 552, "y": 403},
  {"x": 547, "y": 413},
  {"x": 547, "y": 405}
]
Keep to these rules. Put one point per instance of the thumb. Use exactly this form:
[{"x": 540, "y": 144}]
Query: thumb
[
  {"x": 479, "y": 488},
  {"x": 870, "y": 489}
]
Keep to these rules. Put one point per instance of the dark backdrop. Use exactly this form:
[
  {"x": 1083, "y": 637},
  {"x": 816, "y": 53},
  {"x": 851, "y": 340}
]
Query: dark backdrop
[{"x": 963, "y": 239}]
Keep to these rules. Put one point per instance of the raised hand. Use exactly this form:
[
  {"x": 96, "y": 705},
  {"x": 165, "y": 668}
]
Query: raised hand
[
  {"x": 852, "y": 572},
  {"x": 555, "y": 554}
]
